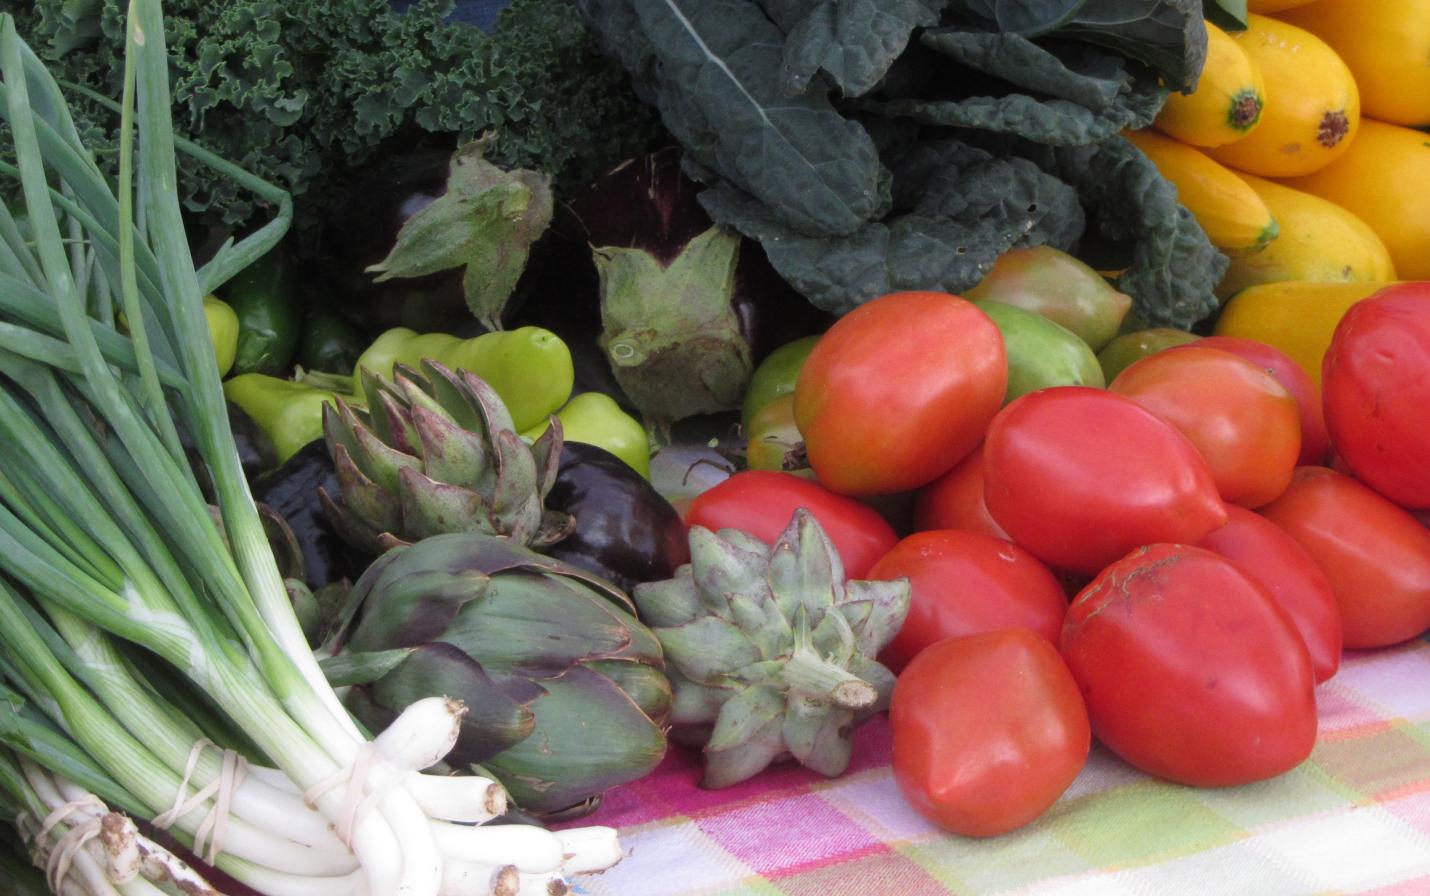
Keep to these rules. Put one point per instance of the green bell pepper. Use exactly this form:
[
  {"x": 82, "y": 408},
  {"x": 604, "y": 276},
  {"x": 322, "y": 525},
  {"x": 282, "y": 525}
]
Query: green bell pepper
[
  {"x": 290, "y": 413},
  {"x": 530, "y": 368},
  {"x": 595, "y": 419},
  {"x": 264, "y": 296}
]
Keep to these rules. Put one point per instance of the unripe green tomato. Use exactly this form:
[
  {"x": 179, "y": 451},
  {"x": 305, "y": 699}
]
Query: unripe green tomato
[
  {"x": 223, "y": 330},
  {"x": 770, "y": 436},
  {"x": 1121, "y": 352},
  {"x": 1040, "y": 352},
  {"x": 775, "y": 376},
  {"x": 1057, "y": 286}
]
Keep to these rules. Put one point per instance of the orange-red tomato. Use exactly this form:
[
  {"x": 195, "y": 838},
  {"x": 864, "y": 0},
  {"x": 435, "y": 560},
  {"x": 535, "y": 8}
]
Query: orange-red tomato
[
  {"x": 1189, "y": 669},
  {"x": 955, "y": 500},
  {"x": 1376, "y": 555},
  {"x": 988, "y": 731},
  {"x": 1242, "y": 421},
  {"x": 899, "y": 390},
  {"x": 1081, "y": 476},
  {"x": 1266, "y": 554},
  {"x": 761, "y": 503},
  {"x": 1315, "y": 442},
  {"x": 964, "y": 583}
]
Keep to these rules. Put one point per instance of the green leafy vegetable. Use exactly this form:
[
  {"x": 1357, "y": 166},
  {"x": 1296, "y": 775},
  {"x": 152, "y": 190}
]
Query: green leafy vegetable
[
  {"x": 719, "y": 93},
  {"x": 1228, "y": 15},
  {"x": 871, "y": 147},
  {"x": 305, "y": 92},
  {"x": 852, "y": 42}
]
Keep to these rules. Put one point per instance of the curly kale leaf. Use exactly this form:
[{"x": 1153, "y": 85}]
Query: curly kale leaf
[{"x": 305, "y": 92}]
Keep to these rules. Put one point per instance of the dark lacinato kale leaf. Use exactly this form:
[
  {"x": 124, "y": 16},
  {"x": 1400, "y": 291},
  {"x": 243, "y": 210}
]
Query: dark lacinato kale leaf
[
  {"x": 1168, "y": 35},
  {"x": 959, "y": 208},
  {"x": 1228, "y": 15},
  {"x": 1028, "y": 18},
  {"x": 997, "y": 127},
  {"x": 1174, "y": 266},
  {"x": 852, "y": 41},
  {"x": 713, "y": 69},
  {"x": 1091, "y": 79},
  {"x": 1053, "y": 122}
]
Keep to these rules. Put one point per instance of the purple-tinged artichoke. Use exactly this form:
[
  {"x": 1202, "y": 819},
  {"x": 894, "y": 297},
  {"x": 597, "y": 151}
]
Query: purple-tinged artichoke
[
  {"x": 565, "y": 688},
  {"x": 770, "y": 651},
  {"x": 435, "y": 453}
]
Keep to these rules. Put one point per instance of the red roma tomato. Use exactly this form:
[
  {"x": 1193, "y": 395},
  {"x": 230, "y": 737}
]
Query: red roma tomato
[
  {"x": 1315, "y": 443},
  {"x": 1189, "y": 670},
  {"x": 965, "y": 583},
  {"x": 1081, "y": 476},
  {"x": 955, "y": 500},
  {"x": 1276, "y": 562},
  {"x": 1376, "y": 381},
  {"x": 1240, "y": 418},
  {"x": 761, "y": 503},
  {"x": 898, "y": 391},
  {"x": 988, "y": 731},
  {"x": 1375, "y": 554}
]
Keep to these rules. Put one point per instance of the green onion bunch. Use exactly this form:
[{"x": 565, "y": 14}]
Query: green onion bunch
[{"x": 152, "y": 665}]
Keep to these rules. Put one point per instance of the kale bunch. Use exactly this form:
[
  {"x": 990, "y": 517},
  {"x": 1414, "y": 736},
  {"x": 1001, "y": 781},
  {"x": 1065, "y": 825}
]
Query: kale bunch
[
  {"x": 305, "y": 92},
  {"x": 876, "y": 145}
]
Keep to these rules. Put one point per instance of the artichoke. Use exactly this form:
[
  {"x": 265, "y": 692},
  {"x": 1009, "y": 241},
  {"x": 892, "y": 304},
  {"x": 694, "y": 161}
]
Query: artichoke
[
  {"x": 770, "y": 651},
  {"x": 436, "y": 454},
  {"x": 565, "y": 689}
]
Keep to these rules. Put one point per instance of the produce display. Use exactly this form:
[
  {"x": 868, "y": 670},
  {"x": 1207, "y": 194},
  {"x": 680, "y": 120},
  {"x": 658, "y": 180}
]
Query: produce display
[{"x": 418, "y": 438}]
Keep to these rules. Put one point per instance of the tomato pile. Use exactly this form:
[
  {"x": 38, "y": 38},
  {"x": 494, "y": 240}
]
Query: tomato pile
[{"x": 1170, "y": 564}]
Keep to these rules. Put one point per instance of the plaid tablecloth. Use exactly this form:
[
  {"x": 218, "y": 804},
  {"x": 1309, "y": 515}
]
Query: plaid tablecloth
[{"x": 1354, "y": 818}]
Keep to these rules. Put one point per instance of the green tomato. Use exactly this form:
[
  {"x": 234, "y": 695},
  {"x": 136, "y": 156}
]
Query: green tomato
[
  {"x": 771, "y": 435},
  {"x": 775, "y": 376},
  {"x": 1128, "y": 348},
  {"x": 1059, "y": 287},
  {"x": 1040, "y": 352}
]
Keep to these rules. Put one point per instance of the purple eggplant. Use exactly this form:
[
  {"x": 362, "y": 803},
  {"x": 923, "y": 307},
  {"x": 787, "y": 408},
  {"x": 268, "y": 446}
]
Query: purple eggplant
[{"x": 626, "y": 532}]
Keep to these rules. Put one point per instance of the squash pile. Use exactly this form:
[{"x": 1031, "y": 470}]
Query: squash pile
[{"x": 1299, "y": 155}]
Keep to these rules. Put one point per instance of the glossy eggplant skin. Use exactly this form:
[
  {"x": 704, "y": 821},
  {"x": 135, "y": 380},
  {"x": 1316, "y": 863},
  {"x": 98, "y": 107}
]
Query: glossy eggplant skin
[
  {"x": 626, "y": 532},
  {"x": 291, "y": 490}
]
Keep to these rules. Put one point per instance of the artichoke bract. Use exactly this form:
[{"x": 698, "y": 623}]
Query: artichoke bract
[
  {"x": 436, "y": 452},
  {"x": 770, "y": 651},
  {"x": 565, "y": 688}
]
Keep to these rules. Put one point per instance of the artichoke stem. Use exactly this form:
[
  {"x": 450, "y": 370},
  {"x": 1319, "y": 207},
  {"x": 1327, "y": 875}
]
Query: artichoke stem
[{"x": 808, "y": 674}]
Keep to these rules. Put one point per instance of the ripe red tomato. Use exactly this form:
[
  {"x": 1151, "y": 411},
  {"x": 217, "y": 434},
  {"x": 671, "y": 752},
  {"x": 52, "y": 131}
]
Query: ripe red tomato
[
  {"x": 899, "y": 390},
  {"x": 1376, "y": 380},
  {"x": 964, "y": 583},
  {"x": 1240, "y": 418},
  {"x": 955, "y": 500},
  {"x": 1275, "y": 561},
  {"x": 988, "y": 731},
  {"x": 1189, "y": 670},
  {"x": 1315, "y": 443},
  {"x": 1081, "y": 476},
  {"x": 761, "y": 503},
  {"x": 1375, "y": 554}
]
